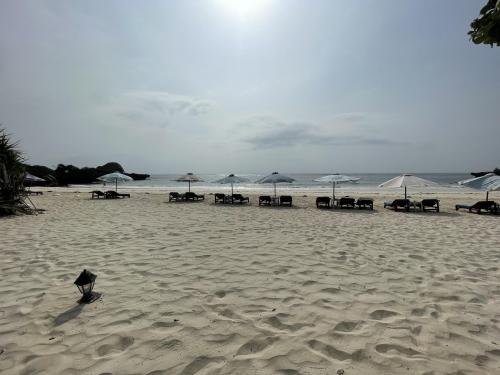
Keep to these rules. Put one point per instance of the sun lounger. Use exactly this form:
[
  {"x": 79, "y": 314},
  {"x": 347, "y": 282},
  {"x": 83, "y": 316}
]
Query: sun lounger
[
  {"x": 399, "y": 203},
  {"x": 111, "y": 194},
  {"x": 323, "y": 202},
  {"x": 175, "y": 196},
  {"x": 488, "y": 206},
  {"x": 286, "y": 200},
  {"x": 238, "y": 198},
  {"x": 346, "y": 202},
  {"x": 265, "y": 200},
  {"x": 30, "y": 192},
  {"x": 429, "y": 205},
  {"x": 221, "y": 198},
  {"x": 364, "y": 203},
  {"x": 97, "y": 194},
  {"x": 190, "y": 196}
]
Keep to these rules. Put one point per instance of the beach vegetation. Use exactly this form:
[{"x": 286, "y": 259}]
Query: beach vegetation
[{"x": 11, "y": 170}]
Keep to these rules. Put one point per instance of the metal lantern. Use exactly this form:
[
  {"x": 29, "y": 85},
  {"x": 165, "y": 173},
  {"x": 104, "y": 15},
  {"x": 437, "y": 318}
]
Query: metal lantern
[{"x": 85, "y": 283}]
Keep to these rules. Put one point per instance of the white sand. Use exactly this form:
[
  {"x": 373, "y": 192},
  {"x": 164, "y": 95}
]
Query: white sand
[{"x": 201, "y": 289}]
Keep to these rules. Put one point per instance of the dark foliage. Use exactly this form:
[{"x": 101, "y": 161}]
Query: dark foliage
[
  {"x": 69, "y": 174},
  {"x": 11, "y": 168},
  {"x": 486, "y": 28}
]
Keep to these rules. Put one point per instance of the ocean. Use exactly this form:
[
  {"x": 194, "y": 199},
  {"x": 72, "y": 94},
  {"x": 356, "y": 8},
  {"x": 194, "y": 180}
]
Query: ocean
[{"x": 303, "y": 182}]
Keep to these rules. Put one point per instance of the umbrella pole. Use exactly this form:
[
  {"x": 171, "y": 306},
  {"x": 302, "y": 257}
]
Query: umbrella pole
[
  {"x": 274, "y": 191},
  {"x": 116, "y": 185},
  {"x": 487, "y": 192},
  {"x": 405, "y": 191},
  {"x": 333, "y": 192},
  {"x": 232, "y": 193},
  {"x": 189, "y": 186}
]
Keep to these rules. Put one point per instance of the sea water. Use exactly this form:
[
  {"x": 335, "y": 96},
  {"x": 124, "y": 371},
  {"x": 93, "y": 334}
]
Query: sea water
[{"x": 304, "y": 182}]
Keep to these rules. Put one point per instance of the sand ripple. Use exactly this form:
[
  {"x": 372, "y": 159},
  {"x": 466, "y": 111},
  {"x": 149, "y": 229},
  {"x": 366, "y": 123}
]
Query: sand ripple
[{"x": 200, "y": 289}]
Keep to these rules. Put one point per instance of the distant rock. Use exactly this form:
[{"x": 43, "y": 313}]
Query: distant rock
[
  {"x": 138, "y": 176},
  {"x": 110, "y": 168},
  {"x": 479, "y": 174},
  {"x": 65, "y": 175}
]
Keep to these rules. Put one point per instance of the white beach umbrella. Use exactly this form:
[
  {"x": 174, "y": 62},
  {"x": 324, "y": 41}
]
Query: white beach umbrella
[
  {"x": 115, "y": 177},
  {"x": 274, "y": 178},
  {"x": 32, "y": 178},
  {"x": 231, "y": 179},
  {"x": 188, "y": 177},
  {"x": 336, "y": 179},
  {"x": 488, "y": 182},
  {"x": 407, "y": 180}
]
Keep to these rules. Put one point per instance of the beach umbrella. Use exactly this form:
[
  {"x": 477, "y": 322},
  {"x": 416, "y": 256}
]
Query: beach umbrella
[
  {"x": 274, "y": 178},
  {"x": 336, "y": 179},
  {"x": 28, "y": 177},
  {"x": 488, "y": 182},
  {"x": 407, "y": 180},
  {"x": 115, "y": 177},
  {"x": 188, "y": 177},
  {"x": 231, "y": 179}
]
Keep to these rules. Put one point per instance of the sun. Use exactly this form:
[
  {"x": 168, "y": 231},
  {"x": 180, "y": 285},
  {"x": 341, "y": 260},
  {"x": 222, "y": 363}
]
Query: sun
[{"x": 244, "y": 9}]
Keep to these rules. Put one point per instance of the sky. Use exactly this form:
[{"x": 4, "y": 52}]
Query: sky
[{"x": 250, "y": 86}]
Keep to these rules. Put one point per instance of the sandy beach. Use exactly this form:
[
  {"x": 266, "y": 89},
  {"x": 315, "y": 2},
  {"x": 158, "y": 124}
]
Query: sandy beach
[{"x": 193, "y": 288}]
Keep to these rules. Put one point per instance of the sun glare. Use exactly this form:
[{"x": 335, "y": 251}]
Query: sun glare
[{"x": 244, "y": 9}]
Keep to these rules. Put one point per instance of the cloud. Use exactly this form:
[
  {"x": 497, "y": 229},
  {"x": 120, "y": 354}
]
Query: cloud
[
  {"x": 268, "y": 132},
  {"x": 350, "y": 117},
  {"x": 155, "y": 108}
]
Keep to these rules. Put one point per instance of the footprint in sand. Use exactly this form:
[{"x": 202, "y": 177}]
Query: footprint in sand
[
  {"x": 170, "y": 344},
  {"x": 494, "y": 352},
  {"x": 481, "y": 359},
  {"x": 164, "y": 324},
  {"x": 220, "y": 293},
  {"x": 417, "y": 257},
  {"x": 289, "y": 371},
  {"x": 113, "y": 344},
  {"x": 275, "y": 322},
  {"x": 309, "y": 282},
  {"x": 418, "y": 312},
  {"x": 199, "y": 363},
  {"x": 256, "y": 345},
  {"x": 331, "y": 290},
  {"x": 332, "y": 352},
  {"x": 347, "y": 326},
  {"x": 382, "y": 314},
  {"x": 396, "y": 350}
]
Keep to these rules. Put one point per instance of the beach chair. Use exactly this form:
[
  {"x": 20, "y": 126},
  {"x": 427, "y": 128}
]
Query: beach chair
[
  {"x": 265, "y": 200},
  {"x": 111, "y": 194},
  {"x": 346, "y": 202},
  {"x": 96, "y": 194},
  {"x": 398, "y": 203},
  {"x": 31, "y": 192},
  {"x": 190, "y": 196},
  {"x": 488, "y": 206},
  {"x": 220, "y": 198},
  {"x": 238, "y": 198},
  {"x": 175, "y": 196},
  {"x": 365, "y": 203},
  {"x": 323, "y": 202},
  {"x": 429, "y": 205},
  {"x": 285, "y": 200}
]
